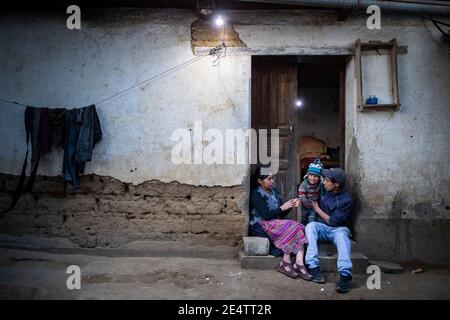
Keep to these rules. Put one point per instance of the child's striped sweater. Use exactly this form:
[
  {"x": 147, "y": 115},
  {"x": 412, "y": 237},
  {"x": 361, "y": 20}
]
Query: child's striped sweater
[{"x": 308, "y": 192}]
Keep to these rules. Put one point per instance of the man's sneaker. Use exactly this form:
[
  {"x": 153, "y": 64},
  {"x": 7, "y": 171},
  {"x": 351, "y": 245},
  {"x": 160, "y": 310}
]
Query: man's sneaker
[
  {"x": 344, "y": 284},
  {"x": 317, "y": 275}
]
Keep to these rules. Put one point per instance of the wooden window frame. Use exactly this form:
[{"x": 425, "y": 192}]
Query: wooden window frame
[{"x": 392, "y": 46}]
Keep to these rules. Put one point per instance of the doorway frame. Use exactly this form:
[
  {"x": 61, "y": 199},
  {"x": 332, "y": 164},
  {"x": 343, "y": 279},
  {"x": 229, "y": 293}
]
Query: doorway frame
[{"x": 348, "y": 52}]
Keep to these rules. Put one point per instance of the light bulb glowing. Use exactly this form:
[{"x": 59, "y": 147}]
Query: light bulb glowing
[
  {"x": 299, "y": 103},
  {"x": 219, "y": 20}
]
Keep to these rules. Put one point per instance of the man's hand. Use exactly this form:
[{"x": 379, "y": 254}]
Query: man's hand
[{"x": 320, "y": 212}]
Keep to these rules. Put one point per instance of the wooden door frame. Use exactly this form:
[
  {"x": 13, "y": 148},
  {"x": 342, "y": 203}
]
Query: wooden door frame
[
  {"x": 342, "y": 85},
  {"x": 342, "y": 76}
]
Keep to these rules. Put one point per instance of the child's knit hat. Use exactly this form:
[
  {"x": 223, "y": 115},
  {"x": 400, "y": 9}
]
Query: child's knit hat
[{"x": 315, "y": 167}]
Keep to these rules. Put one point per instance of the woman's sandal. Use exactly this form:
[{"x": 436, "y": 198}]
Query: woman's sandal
[
  {"x": 302, "y": 272},
  {"x": 287, "y": 269}
]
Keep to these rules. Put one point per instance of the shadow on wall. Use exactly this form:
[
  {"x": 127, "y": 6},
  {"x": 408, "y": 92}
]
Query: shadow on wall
[{"x": 353, "y": 173}]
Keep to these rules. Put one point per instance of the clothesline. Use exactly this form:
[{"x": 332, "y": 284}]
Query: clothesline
[
  {"x": 81, "y": 129},
  {"x": 215, "y": 51}
]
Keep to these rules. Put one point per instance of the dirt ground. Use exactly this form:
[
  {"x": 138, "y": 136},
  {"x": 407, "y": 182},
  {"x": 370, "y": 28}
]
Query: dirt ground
[{"x": 26, "y": 274}]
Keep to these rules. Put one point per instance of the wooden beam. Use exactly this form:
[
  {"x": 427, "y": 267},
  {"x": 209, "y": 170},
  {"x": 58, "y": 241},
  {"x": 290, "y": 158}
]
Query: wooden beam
[
  {"x": 379, "y": 107},
  {"x": 294, "y": 50},
  {"x": 358, "y": 74},
  {"x": 394, "y": 74}
]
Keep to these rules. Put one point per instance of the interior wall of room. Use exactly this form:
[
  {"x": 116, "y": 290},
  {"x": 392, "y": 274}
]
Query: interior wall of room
[{"x": 319, "y": 114}]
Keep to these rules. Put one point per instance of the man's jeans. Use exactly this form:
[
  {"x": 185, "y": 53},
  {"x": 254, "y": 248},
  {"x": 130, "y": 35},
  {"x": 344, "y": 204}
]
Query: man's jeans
[{"x": 340, "y": 236}]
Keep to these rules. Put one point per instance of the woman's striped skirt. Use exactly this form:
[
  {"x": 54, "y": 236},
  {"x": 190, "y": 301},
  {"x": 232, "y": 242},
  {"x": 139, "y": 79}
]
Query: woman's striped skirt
[{"x": 287, "y": 235}]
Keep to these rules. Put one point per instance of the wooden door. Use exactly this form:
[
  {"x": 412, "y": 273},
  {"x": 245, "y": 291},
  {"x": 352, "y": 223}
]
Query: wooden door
[
  {"x": 342, "y": 118},
  {"x": 274, "y": 92}
]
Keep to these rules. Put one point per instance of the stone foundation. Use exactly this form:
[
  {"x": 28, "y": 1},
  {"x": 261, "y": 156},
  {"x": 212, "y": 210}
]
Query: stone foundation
[{"x": 106, "y": 212}]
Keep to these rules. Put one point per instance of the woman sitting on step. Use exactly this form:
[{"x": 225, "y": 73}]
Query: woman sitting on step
[{"x": 266, "y": 211}]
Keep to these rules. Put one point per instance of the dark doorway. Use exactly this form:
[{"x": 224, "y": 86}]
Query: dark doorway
[
  {"x": 321, "y": 115},
  {"x": 279, "y": 84}
]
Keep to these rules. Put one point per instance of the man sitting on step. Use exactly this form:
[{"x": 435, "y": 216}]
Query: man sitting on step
[{"x": 335, "y": 216}]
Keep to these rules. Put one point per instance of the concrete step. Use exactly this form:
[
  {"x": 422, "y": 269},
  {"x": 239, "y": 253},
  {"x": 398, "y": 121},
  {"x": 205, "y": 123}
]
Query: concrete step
[
  {"x": 328, "y": 261},
  {"x": 327, "y": 248}
]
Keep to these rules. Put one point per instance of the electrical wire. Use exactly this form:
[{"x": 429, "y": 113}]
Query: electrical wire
[
  {"x": 160, "y": 75},
  {"x": 222, "y": 45},
  {"x": 436, "y": 24},
  {"x": 216, "y": 51},
  {"x": 14, "y": 102}
]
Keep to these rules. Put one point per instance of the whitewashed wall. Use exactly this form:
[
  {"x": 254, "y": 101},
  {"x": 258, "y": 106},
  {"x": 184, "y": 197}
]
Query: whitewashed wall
[{"x": 45, "y": 64}]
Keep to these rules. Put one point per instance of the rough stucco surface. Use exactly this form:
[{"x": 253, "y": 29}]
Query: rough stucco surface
[
  {"x": 397, "y": 162},
  {"x": 45, "y": 64}
]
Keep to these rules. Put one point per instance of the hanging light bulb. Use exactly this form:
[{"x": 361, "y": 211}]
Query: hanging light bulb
[
  {"x": 299, "y": 103},
  {"x": 219, "y": 20}
]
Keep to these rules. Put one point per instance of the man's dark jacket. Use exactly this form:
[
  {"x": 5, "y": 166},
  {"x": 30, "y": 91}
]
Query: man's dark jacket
[{"x": 338, "y": 206}]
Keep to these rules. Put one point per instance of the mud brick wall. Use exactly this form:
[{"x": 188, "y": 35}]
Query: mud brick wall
[{"x": 106, "y": 212}]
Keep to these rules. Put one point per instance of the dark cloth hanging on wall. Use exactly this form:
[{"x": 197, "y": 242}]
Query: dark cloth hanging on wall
[
  {"x": 35, "y": 121},
  {"x": 83, "y": 131},
  {"x": 57, "y": 126},
  {"x": 44, "y": 133},
  {"x": 40, "y": 142},
  {"x": 36, "y": 139},
  {"x": 29, "y": 113},
  {"x": 37, "y": 130},
  {"x": 76, "y": 130},
  {"x": 90, "y": 134}
]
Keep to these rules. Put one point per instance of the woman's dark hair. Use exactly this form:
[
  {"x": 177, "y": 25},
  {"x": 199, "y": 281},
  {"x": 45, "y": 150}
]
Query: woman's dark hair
[{"x": 257, "y": 175}]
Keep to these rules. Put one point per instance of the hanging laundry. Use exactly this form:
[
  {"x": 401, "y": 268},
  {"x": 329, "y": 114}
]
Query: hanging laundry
[
  {"x": 83, "y": 131},
  {"x": 57, "y": 127},
  {"x": 44, "y": 133},
  {"x": 37, "y": 130},
  {"x": 39, "y": 142},
  {"x": 76, "y": 130}
]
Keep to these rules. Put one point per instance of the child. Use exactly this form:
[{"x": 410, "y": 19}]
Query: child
[{"x": 309, "y": 190}]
